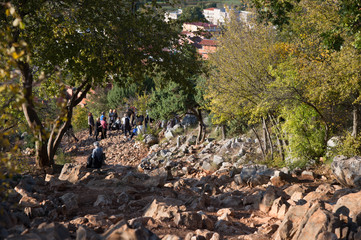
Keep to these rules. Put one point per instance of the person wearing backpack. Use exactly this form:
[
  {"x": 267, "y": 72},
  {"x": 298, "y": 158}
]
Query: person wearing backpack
[{"x": 96, "y": 159}]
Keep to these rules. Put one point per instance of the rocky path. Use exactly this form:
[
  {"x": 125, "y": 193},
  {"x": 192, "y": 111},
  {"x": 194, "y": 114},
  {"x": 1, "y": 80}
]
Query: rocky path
[{"x": 176, "y": 190}]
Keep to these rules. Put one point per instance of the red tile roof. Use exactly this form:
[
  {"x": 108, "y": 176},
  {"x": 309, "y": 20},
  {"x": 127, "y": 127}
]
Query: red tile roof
[
  {"x": 202, "y": 24},
  {"x": 208, "y": 42},
  {"x": 210, "y": 9}
]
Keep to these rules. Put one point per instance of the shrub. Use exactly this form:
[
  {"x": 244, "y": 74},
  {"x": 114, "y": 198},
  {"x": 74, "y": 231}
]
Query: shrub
[
  {"x": 62, "y": 158},
  {"x": 349, "y": 146},
  {"x": 305, "y": 135},
  {"x": 80, "y": 118}
]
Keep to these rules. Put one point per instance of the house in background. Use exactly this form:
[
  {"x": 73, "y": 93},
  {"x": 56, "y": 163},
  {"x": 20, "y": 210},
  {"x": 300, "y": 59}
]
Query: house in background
[
  {"x": 172, "y": 15},
  {"x": 219, "y": 16},
  {"x": 201, "y": 36},
  {"x": 207, "y": 46},
  {"x": 200, "y": 27}
]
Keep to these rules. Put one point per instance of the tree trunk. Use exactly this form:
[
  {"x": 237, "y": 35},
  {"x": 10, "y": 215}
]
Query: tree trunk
[
  {"x": 269, "y": 140},
  {"x": 260, "y": 143},
  {"x": 224, "y": 132},
  {"x": 355, "y": 115},
  {"x": 201, "y": 126},
  {"x": 47, "y": 143},
  {"x": 264, "y": 133},
  {"x": 278, "y": 133}
]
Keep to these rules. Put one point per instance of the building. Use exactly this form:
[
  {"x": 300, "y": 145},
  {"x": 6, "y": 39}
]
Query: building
[
  {"x": 215, "y": 16},
  {"x": 200, "y": 27},
  {"x": 207, "y": 46},
  {"x": 218, "y": 16},
  {"x": 173, "y": 15}
]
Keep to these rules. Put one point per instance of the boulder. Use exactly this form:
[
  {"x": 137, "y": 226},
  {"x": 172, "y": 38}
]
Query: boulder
[
  {"x": 347, "y": 170},
  {"x": 70, "y": 201},
  {"x": 102, "y": 201},
  {"x": 190, "y": 220},
  {"x": 349, "y": 205},
  {"x": 124, "y": 231},
  {"x": 218, "y": 160},
  {"x": 150, "y": 139},
  {"x": 84, "y": 233},
  {"x": 160, "y": 211},
  {"x": 72, "y": 172},
  {"x": 168, "y": 134},
  {"x": 279, "y": 208},
  {"x": 304, "y": 222},
  {"x": 253, "y": 175},
  {"x": 55, "y": 231}
]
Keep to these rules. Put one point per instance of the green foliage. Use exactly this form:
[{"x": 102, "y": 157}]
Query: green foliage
[
  {"x": 140, "y": 137},
  {"x": 275, "y": 162},
  {"x": 192, "y": 14},
  {"x": 305, "y": 134},
  {"x": 11, "y": 99},
  {"x": 118, "y": 95},
  {"x": 98, "y": 102},
  {"x": 275, "y": 11},
  {"x": 237, "y": 126},
  {"x": 348, "y": 146},
  {"x": 167, "y": 102},
  {"x": 62, "y": 158},
  {"x": 29, "y": 141},
  {"x": 153, "y": 131},
  {"x": 80, "y": 118},
  {"x": 141, "y": 103}
]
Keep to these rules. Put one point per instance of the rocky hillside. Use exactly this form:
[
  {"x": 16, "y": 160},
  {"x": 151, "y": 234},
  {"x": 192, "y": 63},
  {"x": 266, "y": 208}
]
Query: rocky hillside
[{"x": 177, "y": 190}]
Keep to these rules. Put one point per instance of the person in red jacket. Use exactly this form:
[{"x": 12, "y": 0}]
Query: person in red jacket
[{"x": 104, "y": 127}]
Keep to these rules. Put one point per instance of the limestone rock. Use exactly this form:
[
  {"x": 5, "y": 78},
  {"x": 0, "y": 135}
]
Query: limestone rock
[
  {"x": 70, "y": 201},
  {"x": 304, "y": 222},
  {"x": 191, "y": 220},
  {"x": 150, "y": 140},
  {"x": 349, "y": 205},
  {"x": 123, "y": 231},
  {"x": 160, "y": 211},
  {"x": 347, "y": 170},
  {"x": 102, "y": 201},
  {"x": 72, "y": 172}
]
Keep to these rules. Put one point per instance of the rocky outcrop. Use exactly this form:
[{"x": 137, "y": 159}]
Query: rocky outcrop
[
  {"x": 347, "y": 170},
  {"x": 178, "y": 190}
]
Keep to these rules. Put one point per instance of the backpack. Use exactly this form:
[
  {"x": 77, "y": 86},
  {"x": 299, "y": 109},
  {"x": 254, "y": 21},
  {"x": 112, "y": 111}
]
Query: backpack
[{"x": 95, "y": 162}]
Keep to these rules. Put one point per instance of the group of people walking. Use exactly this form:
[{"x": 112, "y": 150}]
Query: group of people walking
[{"x": 125, "y": 124}]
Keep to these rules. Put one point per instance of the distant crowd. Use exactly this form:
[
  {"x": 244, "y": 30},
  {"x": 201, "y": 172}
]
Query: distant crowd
[{"x": 130, "y": 124}]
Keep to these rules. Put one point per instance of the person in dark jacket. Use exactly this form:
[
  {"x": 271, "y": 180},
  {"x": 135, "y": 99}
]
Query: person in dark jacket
[
  {"x": 126, "y": 125},
  {"x": 90, "y": 123}
]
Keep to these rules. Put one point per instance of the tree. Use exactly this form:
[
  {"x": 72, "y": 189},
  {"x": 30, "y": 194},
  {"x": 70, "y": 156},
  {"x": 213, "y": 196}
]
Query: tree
[
  {"x": 81, "y": 45},
  {"x": 174, "y": 99},
  {"x": 241, "y": 71},
  {"x": 180, "y": 92},
  {"x": 275, "y": 11},
  {"x": 192, "y": 14}
]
